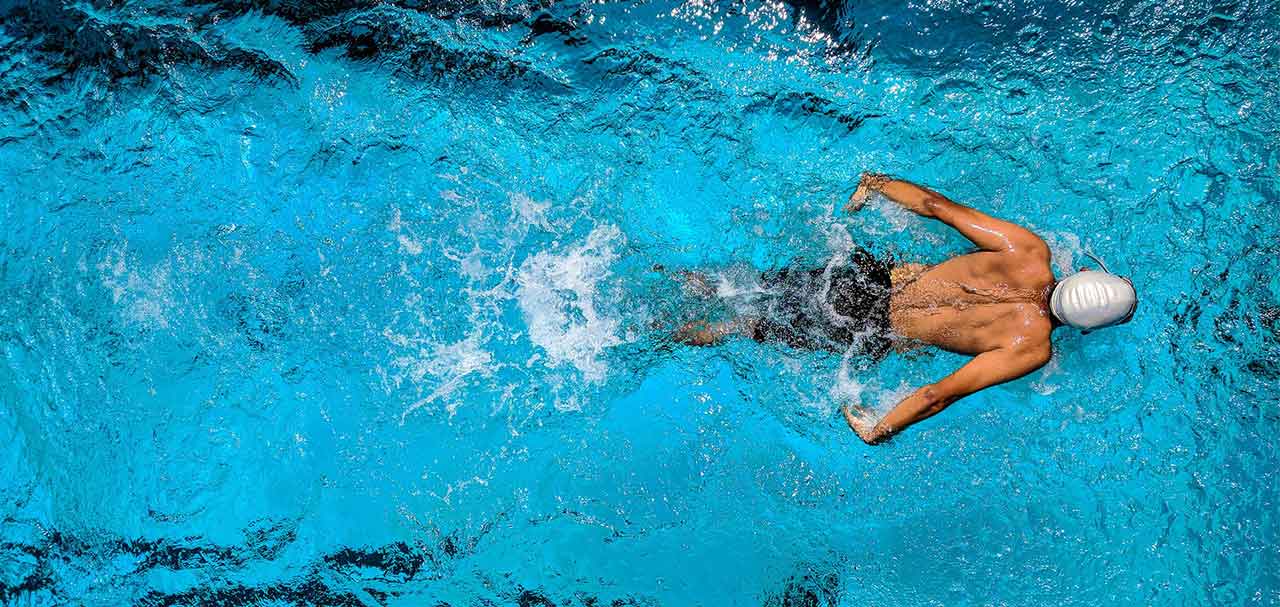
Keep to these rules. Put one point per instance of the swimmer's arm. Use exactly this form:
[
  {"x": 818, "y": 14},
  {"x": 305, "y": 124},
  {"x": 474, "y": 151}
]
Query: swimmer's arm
[
  {"x": 985, "y": 231},
  {"x": 985, "y": 370}
]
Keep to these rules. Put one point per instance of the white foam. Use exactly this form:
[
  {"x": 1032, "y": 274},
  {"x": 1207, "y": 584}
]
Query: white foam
[
  {"x": 144, "y": 297},
  {"x": 447, "y": 364},
  {"x": 737, "y": 283},
  {"x": 558, "y": 296},
  {"x": 847, "y": 390},
  {"x": 530, "y": 211},
  {"x": 409, "y": 245},
  {"x": 839, "y": 242},
  {"x": 886, "y": 400},
  {"x": 405, "y": 237},
  {"x": 898, "y": 218}
]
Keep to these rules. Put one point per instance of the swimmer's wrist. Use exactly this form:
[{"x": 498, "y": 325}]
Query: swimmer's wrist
[
  {"x": 875, "y": 181},
  {"x": 867, "y": 183},
  {"x": 880, "y": 433}
]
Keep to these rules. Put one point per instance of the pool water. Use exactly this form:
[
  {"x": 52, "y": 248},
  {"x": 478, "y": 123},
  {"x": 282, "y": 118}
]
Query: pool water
[{"x": 359, "y": 303}]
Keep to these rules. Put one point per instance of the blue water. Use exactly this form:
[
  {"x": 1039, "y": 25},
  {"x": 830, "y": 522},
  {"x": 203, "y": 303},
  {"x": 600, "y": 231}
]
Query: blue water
[{"x": 354, "y": 303}]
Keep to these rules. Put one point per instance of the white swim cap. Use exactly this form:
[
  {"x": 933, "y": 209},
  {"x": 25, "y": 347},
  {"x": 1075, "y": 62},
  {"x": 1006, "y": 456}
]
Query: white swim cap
[{"x": 1092, "y": 300}]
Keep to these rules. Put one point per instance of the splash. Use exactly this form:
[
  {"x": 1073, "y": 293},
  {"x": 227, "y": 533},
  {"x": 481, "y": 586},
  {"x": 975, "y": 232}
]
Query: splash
[
  {"x": 560, "y": 299},
  {"x": 448, "y": 364},
  {"x": 531, "y": 212},
  {"x": 1064, "y": 248},
  {"x": 1046, "y": 382},
  {"x": 405, "y": 237},
  {"x": 897, "y": 219},
  {"x": 847, "y": 388},
  {"x": 145, "y": 297}
]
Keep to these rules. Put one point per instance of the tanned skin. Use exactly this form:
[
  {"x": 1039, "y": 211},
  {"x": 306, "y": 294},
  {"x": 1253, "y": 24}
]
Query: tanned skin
[{"x": 992, "y": 304}]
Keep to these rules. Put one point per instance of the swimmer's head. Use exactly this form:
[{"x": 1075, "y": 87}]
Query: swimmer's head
[{"x": 1091, "y": 300}]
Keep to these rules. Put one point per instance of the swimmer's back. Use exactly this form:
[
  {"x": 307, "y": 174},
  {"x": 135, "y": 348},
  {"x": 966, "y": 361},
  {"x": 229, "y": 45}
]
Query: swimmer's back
[{"x": 977, "y": 302}]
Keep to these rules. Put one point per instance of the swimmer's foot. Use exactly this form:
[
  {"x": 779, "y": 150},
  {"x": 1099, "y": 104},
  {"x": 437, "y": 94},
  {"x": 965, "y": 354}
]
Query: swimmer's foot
[
  {"x": 703, "y": 333},
  {"x": 696, "y": 283},
  {"x": 698, "y": 333}
]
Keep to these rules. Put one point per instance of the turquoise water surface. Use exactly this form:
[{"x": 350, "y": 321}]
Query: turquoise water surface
[{"x": 355, "y": 303}]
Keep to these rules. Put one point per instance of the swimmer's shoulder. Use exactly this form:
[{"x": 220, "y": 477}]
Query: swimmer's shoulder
[
  {"x": 1026, "y": 243},
  {"x": 1031, "y": 347},
  {"x": 1030, "y": 258}
]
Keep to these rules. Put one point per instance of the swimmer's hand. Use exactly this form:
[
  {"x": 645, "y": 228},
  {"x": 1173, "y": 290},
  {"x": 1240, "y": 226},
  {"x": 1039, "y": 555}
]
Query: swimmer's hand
[
  {"x": 863, "y": 424},
  {"x": 869, "y": 183}
]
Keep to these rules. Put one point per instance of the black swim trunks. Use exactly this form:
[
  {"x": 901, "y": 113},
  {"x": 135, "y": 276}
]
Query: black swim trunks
[{"x": 812, "y": 310}]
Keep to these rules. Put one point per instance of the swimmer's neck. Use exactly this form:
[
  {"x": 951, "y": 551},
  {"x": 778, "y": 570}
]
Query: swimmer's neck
[{"x": 1054, "y": 323}]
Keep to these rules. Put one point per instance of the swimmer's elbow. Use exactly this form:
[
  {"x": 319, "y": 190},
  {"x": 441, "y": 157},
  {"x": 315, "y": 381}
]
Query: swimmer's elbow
[
  {"x": 933, "y": 205},
  {"x": 934, "y": 399},
  {"x": 1040, "y": 357},
  {"x": 1032, "y": 245}
]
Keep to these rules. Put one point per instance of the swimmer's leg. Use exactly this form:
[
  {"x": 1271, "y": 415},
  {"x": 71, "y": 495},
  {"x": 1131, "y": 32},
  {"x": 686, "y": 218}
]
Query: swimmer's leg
[{"x": 703, "y": 333}]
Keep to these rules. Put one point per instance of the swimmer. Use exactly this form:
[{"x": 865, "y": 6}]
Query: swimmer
[{"x": 998, "y": 304}]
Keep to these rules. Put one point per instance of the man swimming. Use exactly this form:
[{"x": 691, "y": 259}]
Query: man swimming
[{"x": 998, "y": 304}]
